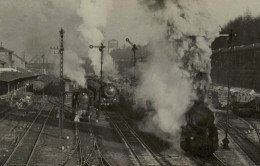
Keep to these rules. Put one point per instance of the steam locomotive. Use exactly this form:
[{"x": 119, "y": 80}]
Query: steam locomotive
[
  {"x": 104, "y": 90},
  {"x": 199, "y": 136}
]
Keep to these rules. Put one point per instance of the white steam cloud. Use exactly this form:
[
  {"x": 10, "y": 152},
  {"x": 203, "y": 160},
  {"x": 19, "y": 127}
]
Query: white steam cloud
[
  {"x": 94, "y": 15},
  {"x": 180, "y": 33},
  {"x": 32, "y": 27},
  {"x": 77, "y": 73},
  {"x": 179, "y": 70}
]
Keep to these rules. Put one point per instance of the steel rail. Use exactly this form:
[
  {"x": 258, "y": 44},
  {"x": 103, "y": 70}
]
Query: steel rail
[
  {"x": 38, "y": 138},
  {"x": 19, "y": 142},
  {"x": 139, "y": 158},
  {"x": 11, "y": 129},
  {"x": 252, "y": 123},
  {"x": 249, "y": 148},
  {"x": 95, "y": 149},
  {"x": 74, "y": 149}
]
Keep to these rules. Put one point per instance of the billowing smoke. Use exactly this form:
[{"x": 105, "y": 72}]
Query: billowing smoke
[
  {"x": 167, "y": 86},
  {"x": 178, "y": 71},
  {"x": 33, "y": 27},
  {"x": 77, "y": 73},
  {"x": 180, "y": 33},
  {"x": 94, "y": 15}
]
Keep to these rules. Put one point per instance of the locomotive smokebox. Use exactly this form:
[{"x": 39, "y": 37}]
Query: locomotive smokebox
[
  {"x": 199, "y": 136},
  {"x": 110, "y": 91}
]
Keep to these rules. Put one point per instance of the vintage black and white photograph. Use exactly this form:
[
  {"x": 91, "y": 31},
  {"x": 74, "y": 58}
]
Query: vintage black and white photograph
[{"x": 129, "y": 82}]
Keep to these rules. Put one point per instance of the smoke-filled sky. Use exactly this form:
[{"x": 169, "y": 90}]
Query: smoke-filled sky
[
  {"x": 180, "y": 33},
  {"x": 32, "y": 26}
]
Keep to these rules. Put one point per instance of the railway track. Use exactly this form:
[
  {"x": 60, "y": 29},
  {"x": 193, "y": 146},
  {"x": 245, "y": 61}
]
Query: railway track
[
  {"x": 17, "y": 122},
  {"x": 252, "y": 151},
  {"x": 7, "y": 113},
  {"x": 24, "y": 147},
  {"x": 216, "y": 161},
  {"x": 143, "y": 154},
  {"x": 83, "y": 157},
  {"x": 15, "y": 128},
  {"x": 3, "y": 115},
  {"x": 95, "y": 156},
  {"x": 138, "y": 149},
  {"x": 80, "y": 149},
  {"x": 208, "y": 161},
  {"x": 256, "y": 125},
  {"x": 77, "y": 152}
]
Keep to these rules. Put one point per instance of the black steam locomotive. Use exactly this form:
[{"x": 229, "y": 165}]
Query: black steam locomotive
[
  {"x": 199, "y": 136},
  {"x": 107, "y": 92}
]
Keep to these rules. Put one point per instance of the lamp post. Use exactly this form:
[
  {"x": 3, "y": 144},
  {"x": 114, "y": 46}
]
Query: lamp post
[
  {"x": 230, "y": 39},
  {"x": 101, "y": 49}
]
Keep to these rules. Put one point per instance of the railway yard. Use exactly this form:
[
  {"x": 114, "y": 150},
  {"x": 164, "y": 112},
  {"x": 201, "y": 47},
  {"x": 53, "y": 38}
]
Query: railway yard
[
  {"x": 129, "y": 83},
  {"x": 31, "y": 136}
]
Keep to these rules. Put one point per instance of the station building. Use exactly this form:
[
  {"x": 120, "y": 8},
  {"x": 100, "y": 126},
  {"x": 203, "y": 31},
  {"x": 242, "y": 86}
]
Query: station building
[{"x": 6, "y": 57}]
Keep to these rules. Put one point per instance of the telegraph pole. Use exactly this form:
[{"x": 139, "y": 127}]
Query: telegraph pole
[
  {"x": 61, "y": 81},
  {"x": 230, "y": 40},
  {"x": 61, "y": 90},
  {"x": 101, "y": 49}
]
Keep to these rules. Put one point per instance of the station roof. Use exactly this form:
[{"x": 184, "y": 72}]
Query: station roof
[
  {"x": 39, "y": 65},
  {"x": 251, "y": 47},
  {"x": 15, "y": 76},
  {"x": 2, "y": 49}
]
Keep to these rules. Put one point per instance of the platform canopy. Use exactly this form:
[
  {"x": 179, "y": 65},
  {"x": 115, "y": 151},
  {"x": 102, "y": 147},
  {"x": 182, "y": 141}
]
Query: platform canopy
[
  {"x": 4, "y": 50},
  {"x": 16, "y": 76}
]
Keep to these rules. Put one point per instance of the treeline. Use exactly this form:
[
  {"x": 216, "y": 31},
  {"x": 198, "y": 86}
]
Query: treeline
[
  {"x": 247, "y": 29},
  {"x": 124, "y": 57},
  {"x": 126, "y": 53}
]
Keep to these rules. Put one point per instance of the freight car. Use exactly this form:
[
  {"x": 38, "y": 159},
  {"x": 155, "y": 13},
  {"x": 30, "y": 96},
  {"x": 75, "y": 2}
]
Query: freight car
[
  {"x": 247, "y": 109},
  {"x": 199, "y": 136}
]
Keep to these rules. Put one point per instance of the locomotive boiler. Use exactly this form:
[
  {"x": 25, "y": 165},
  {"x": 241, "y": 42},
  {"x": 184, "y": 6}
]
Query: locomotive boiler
[
  {"x": 199, "y": 136},
  {"x": 104, "y": 90}
]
